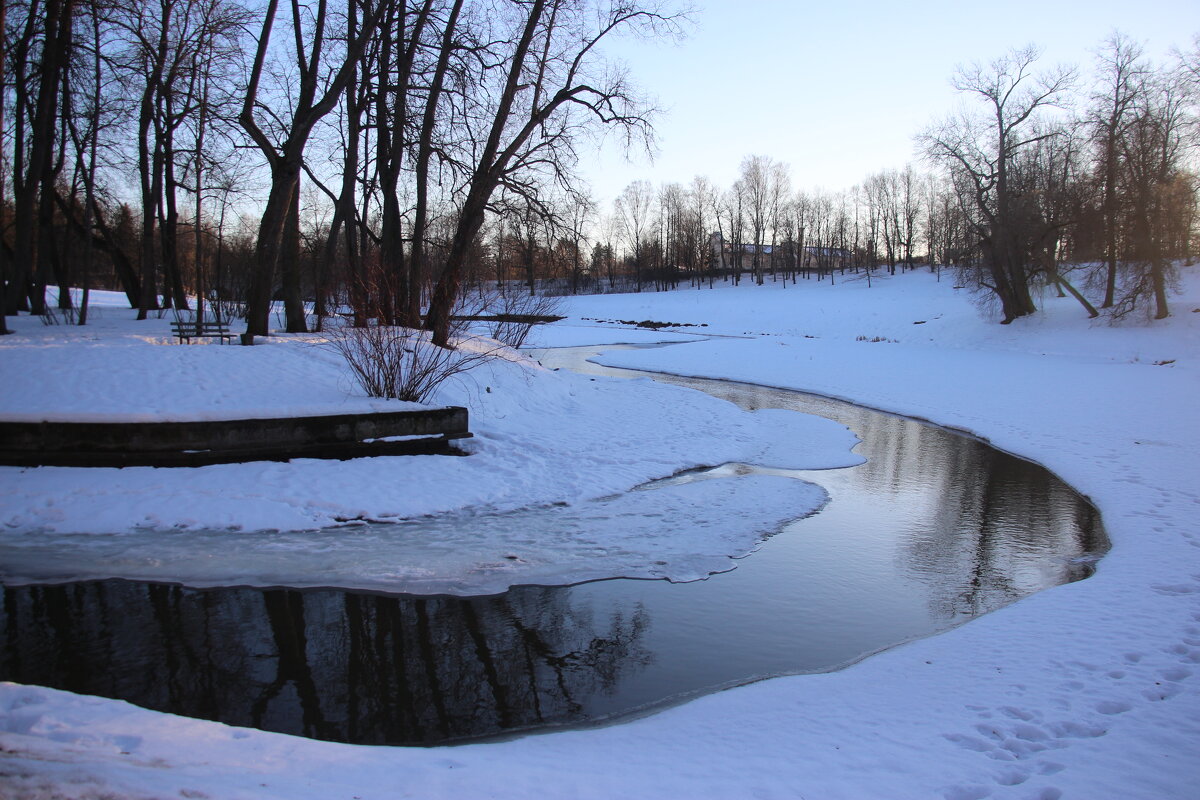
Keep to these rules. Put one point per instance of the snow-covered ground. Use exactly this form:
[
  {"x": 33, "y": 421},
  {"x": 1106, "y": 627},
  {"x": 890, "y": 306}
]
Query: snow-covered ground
[
  {"x": 543, "y": 498},
  {"x": 1088, "y": 690}
]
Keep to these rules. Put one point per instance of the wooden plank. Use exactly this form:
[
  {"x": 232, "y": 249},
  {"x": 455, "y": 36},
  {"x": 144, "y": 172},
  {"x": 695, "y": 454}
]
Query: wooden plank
[{"x": 196, "y": 443}]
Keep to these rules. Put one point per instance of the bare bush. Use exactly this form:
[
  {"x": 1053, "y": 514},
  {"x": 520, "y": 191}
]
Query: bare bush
[
  {"x": 401, "y": 363},
  {"x": 508, "y": 316}
]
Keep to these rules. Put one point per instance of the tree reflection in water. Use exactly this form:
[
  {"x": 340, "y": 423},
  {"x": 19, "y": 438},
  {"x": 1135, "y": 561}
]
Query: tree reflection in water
[
  {"x": 332, "y": 665},
  {"x": 979, "y": 528}
]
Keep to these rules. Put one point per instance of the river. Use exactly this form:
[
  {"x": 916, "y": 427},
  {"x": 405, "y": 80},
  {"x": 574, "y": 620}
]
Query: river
[{"x": 933, "y": 529}]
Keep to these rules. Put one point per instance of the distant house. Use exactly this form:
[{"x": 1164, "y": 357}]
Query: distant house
[
  {"x": 826, "y": 258},
  {"x": 725, "y": 254}
]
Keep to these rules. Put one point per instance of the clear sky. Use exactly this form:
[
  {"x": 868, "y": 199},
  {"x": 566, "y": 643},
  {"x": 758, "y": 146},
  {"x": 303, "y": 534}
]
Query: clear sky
[{"x": 838, "y": 88}]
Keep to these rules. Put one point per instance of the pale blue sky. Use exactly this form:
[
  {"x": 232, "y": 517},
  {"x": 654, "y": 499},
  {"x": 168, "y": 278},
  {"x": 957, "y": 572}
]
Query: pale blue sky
[{"x": 839, "y": 89}]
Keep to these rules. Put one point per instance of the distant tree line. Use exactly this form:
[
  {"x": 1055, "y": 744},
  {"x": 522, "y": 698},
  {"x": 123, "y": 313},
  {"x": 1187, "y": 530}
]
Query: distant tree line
[
  {"x": 342, "y": 157},
  {"x": 1043, "y": 180}
]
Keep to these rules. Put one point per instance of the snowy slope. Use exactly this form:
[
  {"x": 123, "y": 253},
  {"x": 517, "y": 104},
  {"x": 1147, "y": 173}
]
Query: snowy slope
[{"x": 1088, "y": 690}]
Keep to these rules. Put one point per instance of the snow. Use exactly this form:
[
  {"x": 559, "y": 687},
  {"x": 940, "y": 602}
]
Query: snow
[
  {"x": 621, "y": 535},
  {"x": 1087, "y": 690},
  {"x": 540, "y": 438}
]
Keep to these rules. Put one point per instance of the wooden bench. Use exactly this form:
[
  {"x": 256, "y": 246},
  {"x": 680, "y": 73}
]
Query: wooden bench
[{"x": 186, "y": 330}]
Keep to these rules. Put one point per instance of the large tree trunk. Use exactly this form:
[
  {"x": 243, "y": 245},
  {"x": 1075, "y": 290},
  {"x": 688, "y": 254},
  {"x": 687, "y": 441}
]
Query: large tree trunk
[
  {"x": 260, "y": 292},
  {"x": 174, "y": 293},
  {"x": 400, "y": 275},
  {"x": 293, "y": 298},
  {"x": 27, "y": 272},
  {"x": 445, "y": 294},
  {"x": 1158, "y": 280},
  {"x": 4, "y": 260},
  {"x": 50, "y": 262},
  {"x": 486, "y": 176},
  {"x": 344, "y": 218},
  {"x": 1110, "y": 217},
  {"x": 1083, "y": 301},
  {"x": 150, "y": 168},
  {"x": 151, "y": 189},
  {"x": 412, "y": 309}
]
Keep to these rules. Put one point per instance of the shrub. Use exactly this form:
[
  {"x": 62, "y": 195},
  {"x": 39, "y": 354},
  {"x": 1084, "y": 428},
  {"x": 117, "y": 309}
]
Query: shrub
[
  {"x": 508, "y": 315},
  {"x": 402, "y": 363}
]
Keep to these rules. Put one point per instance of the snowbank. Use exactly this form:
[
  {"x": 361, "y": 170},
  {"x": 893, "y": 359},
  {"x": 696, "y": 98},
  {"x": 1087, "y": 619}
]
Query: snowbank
[{"x": 1088, "y": 690}]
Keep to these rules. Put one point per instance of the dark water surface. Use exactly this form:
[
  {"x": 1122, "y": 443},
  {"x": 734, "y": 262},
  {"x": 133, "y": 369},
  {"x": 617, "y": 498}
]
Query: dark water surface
[{"x": 934, "y": 529}]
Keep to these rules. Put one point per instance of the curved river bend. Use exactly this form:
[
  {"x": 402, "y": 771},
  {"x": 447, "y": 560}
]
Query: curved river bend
[{"x": 935, "y": 528}]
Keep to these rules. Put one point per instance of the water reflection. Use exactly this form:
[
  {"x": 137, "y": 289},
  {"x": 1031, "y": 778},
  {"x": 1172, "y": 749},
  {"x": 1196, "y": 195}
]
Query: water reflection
[
  {"x": 331, "y": 665},
  {"x": 933, "y": 529},
  {"x": 979, "y": 528}
]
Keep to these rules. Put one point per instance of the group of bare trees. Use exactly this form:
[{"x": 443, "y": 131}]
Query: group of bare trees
[
  {"x": 96, "y": 97},
  {"x": 167, "y": 149},
  {"x": 1042, "y": 176},
  {"x": 762, "y": 227},
  {"x": 1043, "y": 180},
  {"x": 418, "y": 120}
]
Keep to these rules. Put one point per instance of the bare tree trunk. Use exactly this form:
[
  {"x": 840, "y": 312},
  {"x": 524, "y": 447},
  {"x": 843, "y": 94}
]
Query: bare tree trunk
[
  {"x": 486, "y": 176},
  {"x": 4, "y": 260},
  {"x": 293, "y": 299},
  {"x": 1110, "y": 220},
  {"x": 20, "y": 264},
  {"x": 87, "y": 170},
  {"x": 344, "y": 217},
  {"x": 31, "y": 190},
  {"x": 267, "y": 250},
  {"x": 1158, "y": 281},
  {"x": 173, "y": 294},
  {"x": 1063, "y": 282},
  {"x": 412, "y": 311},
  {"x": 198, "y": 232}
]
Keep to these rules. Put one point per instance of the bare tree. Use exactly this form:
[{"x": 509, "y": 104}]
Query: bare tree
[
  {"x": 757, "y": 178},
  {"x": 981, "y": 152},
  {"x": 148, "y": 64},
  {"x": 1051, "y": 183},
  {"x": 1122, "y": 74},
  {"x": 345, "y": 224},
  {"x": 909, "y": 204},
  {"x": 801, "y": 208},
  {"x": 704, "y": 198},
  {"x": 632, "y": 215},
  {"x": 549, "y": 88},
  {"x": 86, "y": 146},
  {"x": 779, "y": 188},
  {"x": 430, "y": 118},
  {"x": 1162, "y": 195},
  {"x": 318, "y": 71},
  {"x": 47, "y": 31},
  {"x": 580, "y": 214},
  {"x": 735, "y": 213}
]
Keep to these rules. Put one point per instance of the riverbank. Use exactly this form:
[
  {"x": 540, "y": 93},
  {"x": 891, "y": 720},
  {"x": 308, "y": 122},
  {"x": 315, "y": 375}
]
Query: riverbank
[
  {"x": 541, "y": 440},
  {"x": 1087, "y": 690}
]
